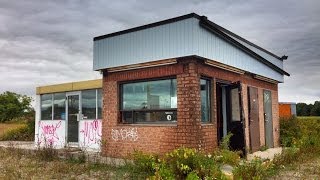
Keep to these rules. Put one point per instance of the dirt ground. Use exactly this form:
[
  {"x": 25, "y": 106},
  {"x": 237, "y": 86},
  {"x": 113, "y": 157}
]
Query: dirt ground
[{"x": 307, "y": 170}]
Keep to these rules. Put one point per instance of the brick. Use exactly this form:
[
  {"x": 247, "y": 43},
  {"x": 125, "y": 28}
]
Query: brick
[{"x": 189, "y": 132}]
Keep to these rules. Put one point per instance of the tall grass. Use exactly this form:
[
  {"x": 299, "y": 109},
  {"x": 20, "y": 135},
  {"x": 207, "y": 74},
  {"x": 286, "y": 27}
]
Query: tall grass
[{"x": 21, "y": 130}]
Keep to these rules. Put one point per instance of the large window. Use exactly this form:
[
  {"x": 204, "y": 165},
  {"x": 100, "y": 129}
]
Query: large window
[
  {"x": 89, "y": 104},
  {"x": 46, "y": 107},
  {"x": 205, "y": 100},
  {"x": 53, "y": 106},
  {"x": 59, "y": 106},
  {"x": 150, "y": 101}
]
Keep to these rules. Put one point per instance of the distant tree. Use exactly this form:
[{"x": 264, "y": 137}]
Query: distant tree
[
  {"x": 315, "y": 110},
  {"x": 13, "y": 105},
  {"x": 303, "y": 109}
]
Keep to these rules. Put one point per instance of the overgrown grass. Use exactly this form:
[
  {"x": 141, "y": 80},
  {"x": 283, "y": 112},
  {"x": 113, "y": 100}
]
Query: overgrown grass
[
  {"x": 186, "y": 163},
  {"x": 5, "y": 127},
  {"x": 19, "y": 164},
  {"x": 17, "y": 130},
  {"x": 300, "y": 135}
]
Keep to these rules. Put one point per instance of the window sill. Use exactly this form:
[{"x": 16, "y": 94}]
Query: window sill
[
  {"x": 207, "y": 124},
  {"x": 150, "y": 124}
]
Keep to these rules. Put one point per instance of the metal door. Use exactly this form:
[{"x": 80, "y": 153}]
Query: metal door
[
  {"x": 254, "y": 128},
  {"x": 268, "y": 124},
  {"x": 73, "y": 118}
]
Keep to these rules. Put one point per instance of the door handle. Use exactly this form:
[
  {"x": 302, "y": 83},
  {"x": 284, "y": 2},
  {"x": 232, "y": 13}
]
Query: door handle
[{"x": 78, "y": 117}]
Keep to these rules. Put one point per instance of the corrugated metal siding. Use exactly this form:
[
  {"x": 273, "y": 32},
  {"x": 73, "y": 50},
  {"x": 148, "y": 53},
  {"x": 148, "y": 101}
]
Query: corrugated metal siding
[
  {"x": 270, "y": 58},
  {"x": 182, "y": 38},
  {"x": 211, "y": 46},
  {"x": 161, "y": 42}
]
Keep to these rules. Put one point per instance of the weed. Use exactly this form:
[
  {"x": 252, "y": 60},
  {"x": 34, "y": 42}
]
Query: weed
[
  {"x": 144, "y": 163},
  {"x": 263, "y": 148},
  {"x": 256, "y": 169},
  {"x": 225, "y": 143},
  {"x": 223, "y": 156},
  {"x": 46, "y": 153}
]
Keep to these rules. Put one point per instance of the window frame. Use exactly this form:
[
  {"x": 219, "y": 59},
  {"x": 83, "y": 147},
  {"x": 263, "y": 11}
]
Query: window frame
[
  {"x": 65, "y": 105},
  {"x": 80, "y": 98},
  {"x": 52, "y": 104},
  {"x": 81, "y": 102},
  {"x": 209, "y": 100},
  {"x": 121, "y": 110},
  {"x": 52, "y": 107}
]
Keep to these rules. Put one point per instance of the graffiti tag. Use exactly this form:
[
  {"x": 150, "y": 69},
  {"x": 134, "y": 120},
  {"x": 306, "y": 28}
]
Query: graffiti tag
[
  {"x": 91, "y": 132},
  {"x": 124, "y": 134},
  {"x": 49, "y": 132}
]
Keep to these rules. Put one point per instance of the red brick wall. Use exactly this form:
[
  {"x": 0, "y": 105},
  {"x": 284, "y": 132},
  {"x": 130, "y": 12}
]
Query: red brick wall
[
  {"x": 246, "y": 81},
  {"x": 155, "y": 138}
]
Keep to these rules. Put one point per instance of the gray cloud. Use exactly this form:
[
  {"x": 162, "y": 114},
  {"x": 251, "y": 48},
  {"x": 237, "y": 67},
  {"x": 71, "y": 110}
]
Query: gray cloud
[{"x": 46, "y": 42}]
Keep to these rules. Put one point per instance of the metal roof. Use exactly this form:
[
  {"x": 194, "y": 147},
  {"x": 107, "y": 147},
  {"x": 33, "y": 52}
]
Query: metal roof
[{"x": 265, "y": 57}]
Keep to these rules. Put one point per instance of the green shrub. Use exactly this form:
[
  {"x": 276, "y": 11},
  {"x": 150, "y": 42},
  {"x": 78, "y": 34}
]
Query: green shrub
[
  {"x": 225, "y": 143},
  {"x": 256, "y": 169},
  {"x": 163, "y": 171},
  {"x": 186, "y": 162},
  {"x": 290, "y": 132},
  {"x": 182, "y": 163},
  {"x": 145, "y": 163},
  {"x": 192, "y": 176},
  {"x": 226, "y": 157},
  {"x": 288, "y": 156}
]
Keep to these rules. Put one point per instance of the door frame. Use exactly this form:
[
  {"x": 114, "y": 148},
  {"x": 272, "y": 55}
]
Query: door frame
[{"x": 73, "y": 93}]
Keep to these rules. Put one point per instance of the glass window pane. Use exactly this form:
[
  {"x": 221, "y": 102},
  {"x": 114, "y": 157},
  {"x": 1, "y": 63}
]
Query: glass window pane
[
  {"x": 46, "y": 107},
  {"x": 89, "y": 104},
  {"x": 235, "y": 105},
  {"x": 151, "y": 96},
  {"x": 205, "y": 100},
  {"x": 59, "y": 106},
  {"x": 99, "y": 103},
  {"x": 160, "y": 94}
]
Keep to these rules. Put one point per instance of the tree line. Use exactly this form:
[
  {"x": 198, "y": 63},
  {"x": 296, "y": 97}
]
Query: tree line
[
  {"x": 13, "y": 105},
  {"x": 304, "y": 109}
]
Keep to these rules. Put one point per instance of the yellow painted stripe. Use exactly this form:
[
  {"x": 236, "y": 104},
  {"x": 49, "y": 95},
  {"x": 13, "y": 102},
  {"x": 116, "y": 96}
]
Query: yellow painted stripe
[{"x": 72, "y": 86}]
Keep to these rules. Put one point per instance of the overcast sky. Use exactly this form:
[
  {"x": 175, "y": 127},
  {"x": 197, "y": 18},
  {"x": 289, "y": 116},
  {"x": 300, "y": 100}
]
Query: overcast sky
[{"x": 47, "y": 42}]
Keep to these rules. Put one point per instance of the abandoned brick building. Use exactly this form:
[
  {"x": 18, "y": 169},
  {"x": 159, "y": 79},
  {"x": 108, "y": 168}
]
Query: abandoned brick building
[{"x": 184, "y": 81}]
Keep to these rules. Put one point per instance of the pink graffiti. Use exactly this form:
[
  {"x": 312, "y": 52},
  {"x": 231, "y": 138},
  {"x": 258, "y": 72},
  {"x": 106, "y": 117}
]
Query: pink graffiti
[
  {"x": 49, "y": 132},
  {"x": 91, "y": 132}
]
